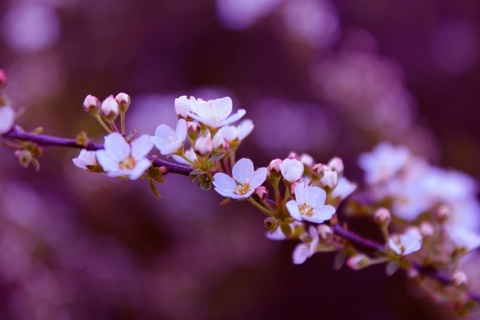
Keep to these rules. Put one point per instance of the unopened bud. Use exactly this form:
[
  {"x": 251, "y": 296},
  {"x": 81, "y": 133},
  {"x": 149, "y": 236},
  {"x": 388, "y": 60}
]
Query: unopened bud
[
  {"x": 307, "y": 159},
  {"x": 293, "y": 155},
  {"x": 270, "y": 223},
  {"x": 193, "y": 129},
  {"x": 261, "y": 193},
  {"x": 292, "y": 187},
  {"x": 325, "y": 232},
  {"x": 123, "y": 101},
  {"x": 358, "y": 261},
  {"x": 319, "y": 169},
  {"x": 412, "y": 273},
  {"x": 330, "y": 178},
  {"x": 203, "y": 145},
  {"x": 274, "y": 165},
  {"x": 3, "y": 78},
  {"x": 443, "y": 213},
  {"x": 382, "y": 216},
  {"x": 336, "y": 164},
  {"x": 109, "y": 109},
  {"x": 460, "y": 279},
  {"x": 91, "y": 104},
  {"x": 426, "y": 229}
]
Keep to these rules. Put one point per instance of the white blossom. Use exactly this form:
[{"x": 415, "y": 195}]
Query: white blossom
[
  {"x": 309, "y": 204},
  {"x": 343, "y": 189},
  {"x": 244, "y": 182},
  {"x": 231, "y": 133},
  {"x": 7, "y": 119},
  {"x": 383, "y": 162},
  {"x": 305, "y": 250},
  {"x": 406, "y": 243},
  {"x": 213, "y": 113},
  {"x": 169, "y": 141},
  {"x": 121, "y": 158},
  {"x": 291, "y": 169},
  {"x": 84, "y": 159}
]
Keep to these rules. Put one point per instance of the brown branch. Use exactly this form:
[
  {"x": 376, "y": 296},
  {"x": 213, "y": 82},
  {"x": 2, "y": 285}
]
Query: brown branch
[
  {"x": 428, "y": 271},
  {"x": 16, "y": 133}
]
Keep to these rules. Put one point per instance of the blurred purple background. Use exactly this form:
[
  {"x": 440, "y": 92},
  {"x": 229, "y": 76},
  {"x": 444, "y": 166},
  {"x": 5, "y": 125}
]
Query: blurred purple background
[{"x": 331, "y": 78}]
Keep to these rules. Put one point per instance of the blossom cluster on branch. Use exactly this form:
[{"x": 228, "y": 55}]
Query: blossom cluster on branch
[{"x": 426, "y": 215}]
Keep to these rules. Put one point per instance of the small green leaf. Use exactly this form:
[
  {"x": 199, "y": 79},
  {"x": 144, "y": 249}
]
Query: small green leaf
[
  {"x": 38, "y": 130},
  {"x": 153, "y": 189},
  {"x": 286, "y": 229},
  {"x": 82, "y": 139},
  {"x": 204, "y": 182},
  {"x": 216, "y": 157}
]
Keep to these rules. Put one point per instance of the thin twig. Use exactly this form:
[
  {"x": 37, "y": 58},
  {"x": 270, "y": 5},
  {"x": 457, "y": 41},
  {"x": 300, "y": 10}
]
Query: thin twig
[{"x": 16, "y": 133}]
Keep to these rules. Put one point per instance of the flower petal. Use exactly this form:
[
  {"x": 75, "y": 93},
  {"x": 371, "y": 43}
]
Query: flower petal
[
  {"x": 116, "y": 146},
  {"x": 258, "y": 177},
  {"x": 106, "y": 161},
  {"x": 321, "y": 214},
  {"x": 141, "y": 146},
  {"x": 315, "y": 196},
  {"x": 300, "y": 194},
  {"x": 243, "y": 170},
  {"x": 7, "y": 119},
  {"x": 224, "y": 182},
  {"x": 234, "y": 117},
  {"x": 140, "y": 168},
  {"x": 181, "y": 130},
  {"x": 292, "y": 207},
  {"x": 300, "y": 253}
]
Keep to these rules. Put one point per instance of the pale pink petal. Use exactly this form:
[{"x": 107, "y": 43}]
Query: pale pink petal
[
  {"x": 243, "y": 170},
  {"x": 141, "y": 147},
  {"x": 116, "y": 146},
  {"x": 292, "y": 207}
]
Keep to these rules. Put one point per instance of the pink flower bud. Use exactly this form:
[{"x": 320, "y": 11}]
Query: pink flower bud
[
  {"x": 443, "y": 213},
  {"x": 3, "y": 78},
  {"x": 358, "y": 261},
  {"x": 91, "y": 103},
  {"x": 319, "y": 169},
  {"x": 426, "y": 229},
  {"x": 123, "y": 101},
  {"x": 274, "y": 165},
  {"x": 203, "y": 145},
  {"x": 325, "y": 232},
  {"x": 292, "y": 187},
  {"x": 261, "y": 193},
  {"x": 307, "y": 159},
  {"x": 293, "y": 155},
  {"x": 336, "y": 164},
  {"x": 382, "y": 216},
  {"x": 109, "y": 109},
  {"x": 460, "y": 278}
]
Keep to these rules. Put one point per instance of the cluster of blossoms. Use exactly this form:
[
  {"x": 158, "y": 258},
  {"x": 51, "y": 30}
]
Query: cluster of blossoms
[
  {"x": 437, "y": 209},
  {"x": 206, "y": 124},
  {"x": 423, "y": 194},
  {"x": 428, "y": 216}
]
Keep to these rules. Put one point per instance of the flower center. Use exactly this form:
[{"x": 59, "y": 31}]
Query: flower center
[
  {"x": 243, "y": 188},
  {"x": 127, "y": 164},
  {"x": 305, "y": 210}
]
